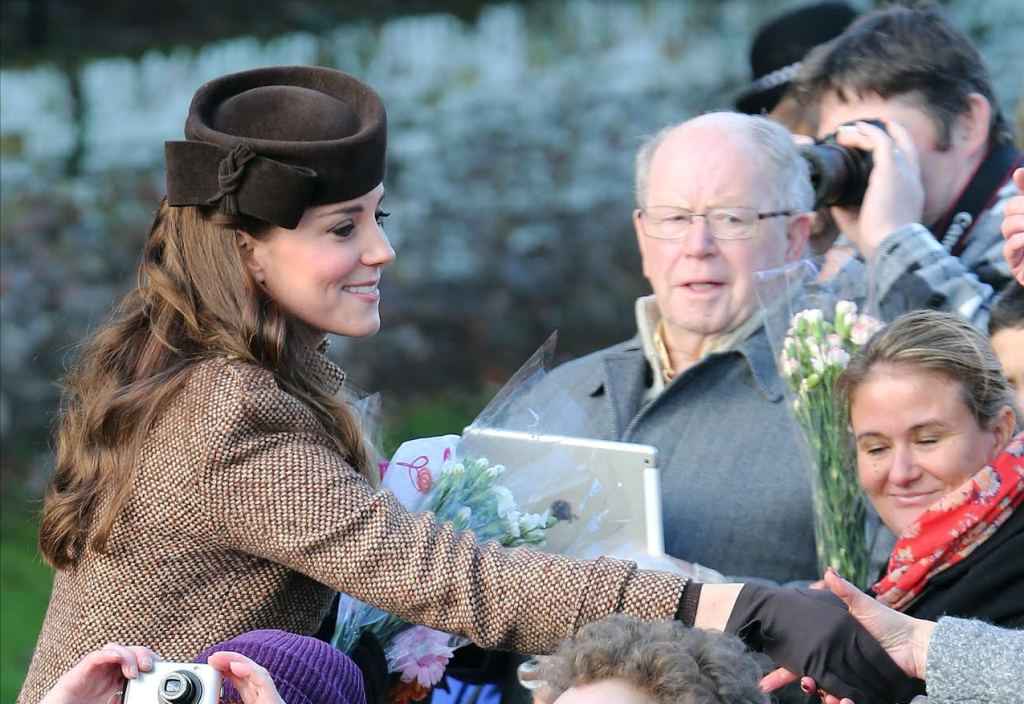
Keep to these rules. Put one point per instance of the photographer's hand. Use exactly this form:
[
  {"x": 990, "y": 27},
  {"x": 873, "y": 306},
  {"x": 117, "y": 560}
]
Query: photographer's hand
[
  {"x": 895, "y": 194},
  {"x": 100, "y": 675},
  {"x": 1013, "y": 230},
  {"x": 252, "y": 681}
]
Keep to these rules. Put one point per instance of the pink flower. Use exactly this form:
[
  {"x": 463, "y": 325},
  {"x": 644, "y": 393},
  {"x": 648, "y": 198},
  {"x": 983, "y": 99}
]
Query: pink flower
[
  {"x": 837, "y": 357},
  {"x": 860, "y": 333},
  {"x": 863, "y": 329},
  {"x": 790, "y": 366},
  {"x": 420, "y": 653}
]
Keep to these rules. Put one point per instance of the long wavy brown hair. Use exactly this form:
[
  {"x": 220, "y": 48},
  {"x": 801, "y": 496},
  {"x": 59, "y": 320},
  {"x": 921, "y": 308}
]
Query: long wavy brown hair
[{"x": 195, "y": 299}]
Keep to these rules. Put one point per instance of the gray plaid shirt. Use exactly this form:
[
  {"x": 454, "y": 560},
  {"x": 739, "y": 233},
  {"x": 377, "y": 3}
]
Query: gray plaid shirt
[{"x": 912, "y": 269}]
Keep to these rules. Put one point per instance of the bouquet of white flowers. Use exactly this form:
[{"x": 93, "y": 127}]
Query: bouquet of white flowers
[
  {"x": 819, "y": 339},
  {"x": 465, "y": 493}
]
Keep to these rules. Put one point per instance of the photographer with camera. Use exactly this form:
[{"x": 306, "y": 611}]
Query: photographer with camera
[
  {"x": 259, "y": 667},
  {"x": 101, "y": 675},
  {"x": 910, "y": 91}
]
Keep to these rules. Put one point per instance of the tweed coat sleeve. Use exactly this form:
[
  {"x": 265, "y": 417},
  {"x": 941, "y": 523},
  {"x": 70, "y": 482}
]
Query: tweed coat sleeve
[{"x": 277, "y": 489}]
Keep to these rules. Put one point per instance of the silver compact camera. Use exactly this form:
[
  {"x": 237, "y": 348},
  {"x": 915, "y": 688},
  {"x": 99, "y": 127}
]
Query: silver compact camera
[{"x": 175, "y": 683}]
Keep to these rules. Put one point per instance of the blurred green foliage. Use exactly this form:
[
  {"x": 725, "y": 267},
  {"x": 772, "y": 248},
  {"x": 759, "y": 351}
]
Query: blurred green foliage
[
  {"x": 428, "y": 417},
  {"x": 24, "y": 589}
]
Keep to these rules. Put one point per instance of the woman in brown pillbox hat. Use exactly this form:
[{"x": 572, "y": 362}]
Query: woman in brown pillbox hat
[{"x": 210, "y": 478}]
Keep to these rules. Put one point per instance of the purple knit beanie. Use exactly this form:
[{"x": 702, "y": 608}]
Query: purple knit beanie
[{"x": 305, "y": 670}]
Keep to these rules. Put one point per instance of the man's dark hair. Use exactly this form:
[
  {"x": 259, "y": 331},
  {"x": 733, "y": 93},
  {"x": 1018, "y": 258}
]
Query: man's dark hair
[
  {"x": 1007, "y": 309},
  {"x": 903, "y": 51}
]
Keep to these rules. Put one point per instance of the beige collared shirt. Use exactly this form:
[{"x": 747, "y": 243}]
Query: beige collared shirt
[{"x": 651, "y": 328}]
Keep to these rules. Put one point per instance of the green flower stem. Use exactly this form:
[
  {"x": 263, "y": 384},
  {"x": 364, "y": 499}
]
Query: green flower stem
[{"x": 839, "y": 509}]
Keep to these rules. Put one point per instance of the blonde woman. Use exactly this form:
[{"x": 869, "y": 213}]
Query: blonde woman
[{"x": 940, "y": 455}]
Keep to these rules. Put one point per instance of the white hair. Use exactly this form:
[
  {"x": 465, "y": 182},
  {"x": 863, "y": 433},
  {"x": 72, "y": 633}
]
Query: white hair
[{"x": 791, "y": 179}]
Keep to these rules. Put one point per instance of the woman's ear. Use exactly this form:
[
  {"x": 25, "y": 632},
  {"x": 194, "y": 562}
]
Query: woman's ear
[
  {"x": 1002, "y": 429},
  {"x": 248, "y": 245}
]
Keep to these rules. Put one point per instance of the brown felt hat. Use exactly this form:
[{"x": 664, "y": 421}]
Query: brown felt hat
[{"x": 271, "y": 142}]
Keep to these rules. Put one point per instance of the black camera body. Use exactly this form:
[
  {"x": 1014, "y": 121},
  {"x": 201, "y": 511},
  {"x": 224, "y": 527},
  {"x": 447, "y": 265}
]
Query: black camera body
[{"x": 839, "y": 175}]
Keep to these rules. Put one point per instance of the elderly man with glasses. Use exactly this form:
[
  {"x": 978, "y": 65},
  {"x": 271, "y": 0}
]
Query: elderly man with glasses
[{"x": 719, "y": 197}]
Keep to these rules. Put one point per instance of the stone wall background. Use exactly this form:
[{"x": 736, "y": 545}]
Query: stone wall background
[{"x": 511, "y": 146}]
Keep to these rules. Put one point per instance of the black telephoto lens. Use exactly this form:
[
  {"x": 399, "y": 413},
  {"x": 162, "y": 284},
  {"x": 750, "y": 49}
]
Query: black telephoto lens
[{"x": 839, "y": 175}]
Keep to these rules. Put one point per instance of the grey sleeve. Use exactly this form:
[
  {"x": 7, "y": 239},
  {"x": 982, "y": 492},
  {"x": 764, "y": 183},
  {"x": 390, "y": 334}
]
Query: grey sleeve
[
  {"x": 973, "y": 662},
  {"x": 912, "y": 270}
]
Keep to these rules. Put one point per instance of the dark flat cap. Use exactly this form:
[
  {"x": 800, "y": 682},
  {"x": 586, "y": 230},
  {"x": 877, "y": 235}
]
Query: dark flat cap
[
  {"x": 273, "y": 141},
  {"x": 780, "y": 45}
]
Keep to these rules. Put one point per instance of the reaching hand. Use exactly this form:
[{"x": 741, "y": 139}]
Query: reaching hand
[
  {"x": 807, "y": 684},
  {"x": 100, "y": 675},
  {"x": 895, "y": 194},
  {"x": 1013, "y": 230},
  {"x": 813, "y": 633},
  {"x": 252, "y": 681},
  {"x": 903, "y": 637}
]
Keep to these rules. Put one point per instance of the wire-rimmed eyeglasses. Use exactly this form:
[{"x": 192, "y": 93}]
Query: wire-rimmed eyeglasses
[{"x": 667, "y": 222}]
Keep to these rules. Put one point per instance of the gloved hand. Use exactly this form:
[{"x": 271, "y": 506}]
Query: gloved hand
[{"x": 811, "y": 632}]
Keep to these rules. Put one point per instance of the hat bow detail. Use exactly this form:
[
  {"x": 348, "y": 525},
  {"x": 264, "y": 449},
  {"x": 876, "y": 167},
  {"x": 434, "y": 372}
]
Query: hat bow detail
[
  {"x": 229, "y": 176},
  {"x": 238, "y": 181}
]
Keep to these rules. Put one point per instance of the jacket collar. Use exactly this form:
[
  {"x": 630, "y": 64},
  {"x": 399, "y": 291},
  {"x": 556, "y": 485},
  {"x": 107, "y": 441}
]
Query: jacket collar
[
  {"x": 757, "y": 350},
  {"x": 628, "y": 373},
  {"x": 326, "y": 373},
  {"x": 649, "y": 323}
]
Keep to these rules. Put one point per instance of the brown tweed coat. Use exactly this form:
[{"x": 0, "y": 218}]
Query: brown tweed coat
[{"x": 237, "y": 524}]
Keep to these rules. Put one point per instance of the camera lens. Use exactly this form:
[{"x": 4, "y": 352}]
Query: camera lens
[
  {"x": 181, "y": 687},
  {"x": 839, "y": 175}
]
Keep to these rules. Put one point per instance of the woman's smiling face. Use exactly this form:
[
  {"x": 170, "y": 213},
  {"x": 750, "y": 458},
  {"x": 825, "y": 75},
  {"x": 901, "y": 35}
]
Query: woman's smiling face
[
  {"x": 326, "y": 271},
  {"x": 916, "y": 441}
]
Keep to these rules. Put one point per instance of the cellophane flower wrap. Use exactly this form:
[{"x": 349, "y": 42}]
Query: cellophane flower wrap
[
  {"x": 814, "y": 314},
  {"x": 527, "y": 500}
]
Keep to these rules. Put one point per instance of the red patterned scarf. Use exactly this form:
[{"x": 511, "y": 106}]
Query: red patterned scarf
[{"x": 954, "y": 527}]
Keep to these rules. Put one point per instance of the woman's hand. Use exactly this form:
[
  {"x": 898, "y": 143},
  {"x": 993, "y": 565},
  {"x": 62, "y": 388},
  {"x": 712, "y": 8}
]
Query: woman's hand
[
  {"x": 1013, "y": 230},
  {"x": 252, "y": 681},
  {"x": 100, "y": 675},
  {"x": 904, "y": 638},
  {"x": 807, "y": 684}
]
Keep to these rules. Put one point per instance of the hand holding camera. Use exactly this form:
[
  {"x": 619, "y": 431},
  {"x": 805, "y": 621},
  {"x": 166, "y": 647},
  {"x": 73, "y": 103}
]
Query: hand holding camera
[
  {"x": 893, "y": 195},
  {"x": 252, "y": 681},
  {"x": 103, "y": 673},
  {"x": 100, "y": 675}
]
